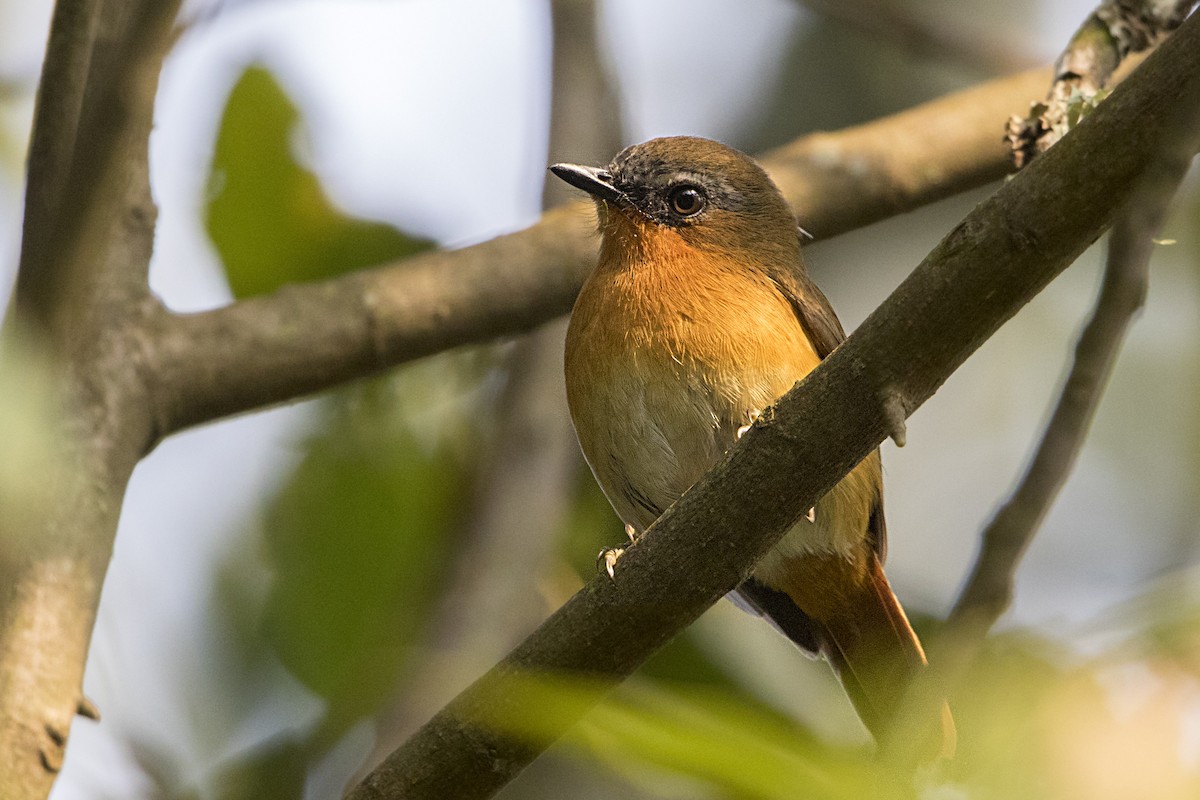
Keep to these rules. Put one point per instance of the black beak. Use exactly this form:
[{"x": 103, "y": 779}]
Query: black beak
[{"x": 593, "y": 180}]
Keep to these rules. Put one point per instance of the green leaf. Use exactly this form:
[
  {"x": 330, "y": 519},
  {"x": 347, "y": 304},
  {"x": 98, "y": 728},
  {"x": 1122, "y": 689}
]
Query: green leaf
[
  {"x": 591, "y": 525},
  {"x": 360, "y": 539},
  {"x": 33, "y": 465},
  {"x": 711, "y": 735},
  {"x": 268, "y": 217},
  {"x": 707, "y": 735}
]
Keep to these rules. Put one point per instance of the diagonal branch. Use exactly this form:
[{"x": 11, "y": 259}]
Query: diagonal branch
[
  {"x": 988, "y": 591},
  {"x": 254, "y": 353},
  {"x": 981, "y": 274}
]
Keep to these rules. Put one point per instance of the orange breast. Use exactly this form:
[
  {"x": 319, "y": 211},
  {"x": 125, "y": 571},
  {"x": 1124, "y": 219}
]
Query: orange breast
[{"x": 669, "y": 352}]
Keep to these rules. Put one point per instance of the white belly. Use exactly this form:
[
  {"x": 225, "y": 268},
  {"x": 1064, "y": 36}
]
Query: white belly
[{"x": 654, "y": 432}]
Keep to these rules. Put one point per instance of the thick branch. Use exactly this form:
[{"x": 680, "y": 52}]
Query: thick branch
[
  {"x": 91, "y": 225},
  {"x": 307, "y": 338},
  {"x": 83, "y": 286},
  {"x": 981, "y": 274}
]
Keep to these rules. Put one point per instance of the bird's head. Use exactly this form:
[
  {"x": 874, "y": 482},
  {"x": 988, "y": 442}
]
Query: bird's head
[{"x": 711, "y": 196}]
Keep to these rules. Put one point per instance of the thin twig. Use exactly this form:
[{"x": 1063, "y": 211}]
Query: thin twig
[
  {"x": 943, "y": 311},
  {"x": 988, "y": 591}
]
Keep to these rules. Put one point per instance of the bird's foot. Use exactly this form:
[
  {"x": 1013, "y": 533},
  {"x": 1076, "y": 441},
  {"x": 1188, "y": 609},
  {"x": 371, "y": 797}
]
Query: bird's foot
[
  {"x": 811, "y": 515},
  {"x": 606, "y": 561},
  {"x": 754, "y": 415}
]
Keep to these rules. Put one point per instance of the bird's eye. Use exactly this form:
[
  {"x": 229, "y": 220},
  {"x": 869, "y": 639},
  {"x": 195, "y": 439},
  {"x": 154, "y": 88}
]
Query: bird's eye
[{"x": 686, "y": 201}]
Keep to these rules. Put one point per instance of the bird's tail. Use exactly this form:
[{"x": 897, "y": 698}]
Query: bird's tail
[{"x": 876, "y": 653}]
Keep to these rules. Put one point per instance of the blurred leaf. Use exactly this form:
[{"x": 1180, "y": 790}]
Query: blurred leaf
[
  {"x": 715, "y": 736},
  {"x": 590, "y": 526},
  {"x": 271, "y": 771},
  {"x": 33, "y": 450},
  {"x": 360, "y": 539},
  {"x": 699, "y": 732},
  {"x": 268, "y": 217},
  {"x": 1001, "y": 737}
]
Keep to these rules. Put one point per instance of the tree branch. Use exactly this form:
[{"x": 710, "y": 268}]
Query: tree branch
[
  {"x": 981, "y": 274},
  {"x": 82, "y": 288},
  {"x": 57, "y": 110},
  {"x": 1114, "y": 30},
  {"x": 306, "y": 338},
  {"x": 989, "y": 589},
  {"x": 91, "y": 226}
]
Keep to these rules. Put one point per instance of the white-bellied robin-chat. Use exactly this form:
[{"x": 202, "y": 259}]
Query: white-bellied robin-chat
[{"x": 699, "y": 315}]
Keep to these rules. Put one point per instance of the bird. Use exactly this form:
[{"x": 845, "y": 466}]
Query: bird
[{"x": 698, "y": 315}]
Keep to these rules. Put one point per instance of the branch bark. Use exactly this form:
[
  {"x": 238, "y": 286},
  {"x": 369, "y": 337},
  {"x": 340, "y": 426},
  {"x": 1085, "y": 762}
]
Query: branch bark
[
  {"x": 57, "y": 110},
  {"x": 303, "y": 339},
  {"x": 1114, "y": 30},
  {"x": 82, "y": 287},
  {"x": 981, "y": 274}
]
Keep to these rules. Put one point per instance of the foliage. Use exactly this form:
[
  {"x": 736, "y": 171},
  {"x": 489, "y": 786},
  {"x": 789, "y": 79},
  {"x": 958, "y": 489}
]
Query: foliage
[
  {"x": 357, "y": 539},
  {"x": 267, "y": 214}
]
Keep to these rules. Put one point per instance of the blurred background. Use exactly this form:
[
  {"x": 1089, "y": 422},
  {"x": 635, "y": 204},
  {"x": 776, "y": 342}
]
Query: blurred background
[{"x": 293, "y": 592}]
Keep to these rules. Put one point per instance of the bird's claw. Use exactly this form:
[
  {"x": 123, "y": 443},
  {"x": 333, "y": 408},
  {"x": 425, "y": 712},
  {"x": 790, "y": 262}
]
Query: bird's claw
[
  {"x": 811, "y": 514},
  {"x": 754, "y": 415},
  {"x": 607, "y": 560}
]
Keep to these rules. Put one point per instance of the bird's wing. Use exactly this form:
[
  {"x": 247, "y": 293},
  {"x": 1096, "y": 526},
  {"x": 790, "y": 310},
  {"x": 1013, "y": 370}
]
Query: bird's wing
[
  {"x": 777, "y": 608},
  {"x": 825, "y": 331},
  {"x": 812, "y": 309}
]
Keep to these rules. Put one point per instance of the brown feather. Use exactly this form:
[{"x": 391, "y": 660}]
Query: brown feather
[{"x": 866, "y": 636}]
